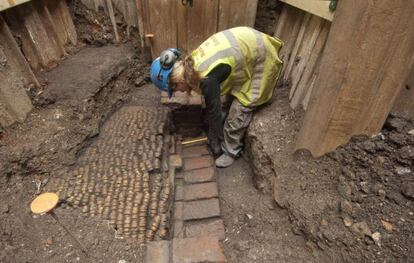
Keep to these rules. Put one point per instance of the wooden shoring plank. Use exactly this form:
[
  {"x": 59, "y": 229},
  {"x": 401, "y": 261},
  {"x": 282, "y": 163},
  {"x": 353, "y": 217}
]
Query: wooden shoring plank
[
  {"x": 15, "y": 104},
  {"x": 6, "y": 4},
  {"x": 251, "y": 12},
  {"x": 306, "y": 46},
  {"x": 316, "y": 7},
  {"x": 404, "y": 104},
  {"x": 162, "y": 24},
  {"x": 112, "y": 17},
  {"x": 306, "y": 99},
  {"x": 300, "y": 83},
  {"x": 182, "y": 28},
  {"x": 132, "y": 13},
  {"x": 127, "y": 17},
  {"x": 140, "y": 21},
  {"x": 44, "y": 48},
  {"x": 207, "y": 12},
  {"x": 361, "y": 78},
  {"x": 16, "y": 24},
  {"x": 293, "y": 57},
  {"x": 14, "y": 55},
  {"x": 52, "y": 6},
  {"x": 234, "y": 13},
  {"x": 291, "y": 20},
  {"x": 96, "y": 5},
  {"x": 50, "y": 27},
  {"x": 282, "y": 21},
  {"x": 68, "y": 22}
]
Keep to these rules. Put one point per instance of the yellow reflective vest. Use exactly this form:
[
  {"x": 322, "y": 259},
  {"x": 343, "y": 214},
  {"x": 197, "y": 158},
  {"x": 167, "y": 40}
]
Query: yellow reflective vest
[{"x": 253, "y": 57}]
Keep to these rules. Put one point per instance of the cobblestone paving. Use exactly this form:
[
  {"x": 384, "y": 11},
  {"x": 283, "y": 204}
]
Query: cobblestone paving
[{"x": 119, "y": 177}]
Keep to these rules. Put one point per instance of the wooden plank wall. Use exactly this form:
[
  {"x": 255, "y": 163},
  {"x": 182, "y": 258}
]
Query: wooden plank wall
[
  {"x": 34, "y": 36},
  {"x": 190, "y": 25},
  {"x": 44, "y": 28},
  {"x": 6, "y": 4},
  {"x": 364, "y": 70},
  {"x": 304, "y": 36},
  {"x": 15, "y": 75}
]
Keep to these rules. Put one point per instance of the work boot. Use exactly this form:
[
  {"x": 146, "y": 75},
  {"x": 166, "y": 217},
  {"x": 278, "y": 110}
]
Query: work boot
[{"x": 224, "y": 160}]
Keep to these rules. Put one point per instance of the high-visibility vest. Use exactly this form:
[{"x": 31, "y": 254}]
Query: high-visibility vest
[{"x": 253, "y": 57}]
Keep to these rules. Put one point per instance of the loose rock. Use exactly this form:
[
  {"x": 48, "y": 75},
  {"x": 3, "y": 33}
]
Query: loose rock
[
  {"x": 346, "y": 207},
  {"x": 347, "y": 221},
  {"x": 361, "y": 229},
  {"x": 376, "y": 237},
  {"x": 402, "y": 170},
  {"x": 408, "y": 190},
  {"x": 387, "y": 225}
]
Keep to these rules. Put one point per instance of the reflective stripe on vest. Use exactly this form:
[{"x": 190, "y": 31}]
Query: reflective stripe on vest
[{"x": 259, "y": 66}]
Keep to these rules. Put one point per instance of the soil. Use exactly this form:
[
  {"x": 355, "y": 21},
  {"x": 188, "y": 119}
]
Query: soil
[
  {"x": 95, "y": 28},
  {"x": 256, "y": 229},
  {"x": 354, "y": 204},
  {"x": 268, "y": 12}
]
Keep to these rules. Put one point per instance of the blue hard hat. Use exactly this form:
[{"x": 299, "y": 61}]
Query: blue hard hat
[
  {"x": 160, "y": 76},
  {"x": 161, "y": 69}
]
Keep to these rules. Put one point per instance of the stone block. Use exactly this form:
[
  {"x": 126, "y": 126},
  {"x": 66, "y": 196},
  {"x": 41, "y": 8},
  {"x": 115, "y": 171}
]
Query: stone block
[
  {"x": 200, "y": 191},
  {"x": 178, "y": 229},
  {"x": 179, "y": 192},
  {"x": 178, "y": 210},
  {"x": 158, "y": 252},
  {"x": 214, "y": 228},
  {"x": 176, "y": 161},
  {"x": 197, "y": 163},
  {"x": 195, "y": 151},
  {"x": 199, "y": 175},
  {"x": 197, "y": 250},
  {"x": 201, "y": 209}
]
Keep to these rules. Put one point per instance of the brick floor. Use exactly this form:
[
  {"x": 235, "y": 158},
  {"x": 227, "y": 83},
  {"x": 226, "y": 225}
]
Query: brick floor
[
  {"x": 179, "y": 192},
  {"x": 201, "y": 209},
  {"x": 197, "y": 250},
  {"x": 200, "y": 191},
  {"x": 194, "y": 151},
  {"x": 199, "y": 175},
  {"x": 197, "y": 163},
  {"x": 178, "y": 229},
  {"x": 178, "y": 210},
  {"x": 158, "y": 252},
  {"x": 212, "y": 227},
  {"x": 176, "y": 161}
]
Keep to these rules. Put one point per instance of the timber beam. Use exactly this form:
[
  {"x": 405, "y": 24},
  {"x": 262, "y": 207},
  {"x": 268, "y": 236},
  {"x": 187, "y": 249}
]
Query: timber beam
[{"x": 365, "y": 64}]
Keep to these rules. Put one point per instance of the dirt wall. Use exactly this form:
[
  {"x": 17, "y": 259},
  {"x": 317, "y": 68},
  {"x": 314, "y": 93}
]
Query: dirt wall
[{"x": 355, "y": 204}]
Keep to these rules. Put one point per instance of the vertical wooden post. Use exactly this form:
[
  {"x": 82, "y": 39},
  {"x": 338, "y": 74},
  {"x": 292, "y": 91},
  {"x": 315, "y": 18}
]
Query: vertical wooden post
[
  {"x": 68, "y": 22},
  {"x": 365, "y": 64},
  {"x": 112, "y": 17},
  {"x": 140, "y": 22}
]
